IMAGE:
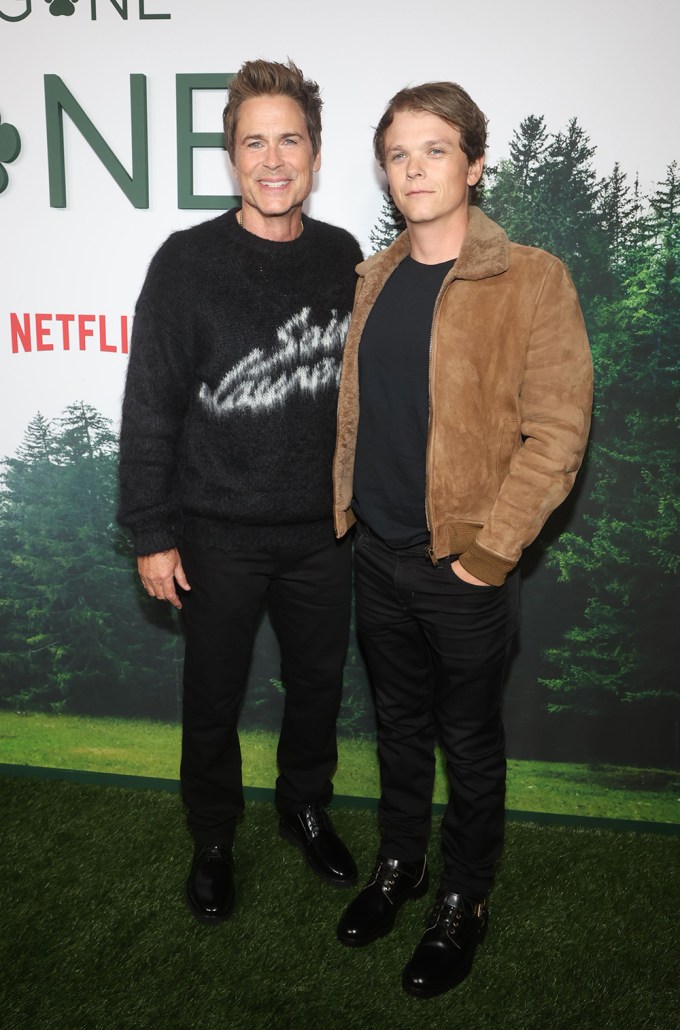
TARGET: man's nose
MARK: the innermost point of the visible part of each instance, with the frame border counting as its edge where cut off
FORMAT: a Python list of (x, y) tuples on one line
[(273, 157), (414, 168)]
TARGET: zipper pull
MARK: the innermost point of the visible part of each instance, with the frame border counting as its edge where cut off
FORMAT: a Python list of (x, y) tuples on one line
[(429, 551)]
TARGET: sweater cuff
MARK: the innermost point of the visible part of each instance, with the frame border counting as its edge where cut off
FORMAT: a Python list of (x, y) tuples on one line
[(153, 540), (485, 565)]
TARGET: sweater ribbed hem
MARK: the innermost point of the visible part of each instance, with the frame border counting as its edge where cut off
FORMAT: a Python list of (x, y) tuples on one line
[(227, 536)]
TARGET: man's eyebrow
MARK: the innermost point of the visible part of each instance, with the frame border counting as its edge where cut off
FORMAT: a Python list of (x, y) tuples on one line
[(427, 143), (261, 135)]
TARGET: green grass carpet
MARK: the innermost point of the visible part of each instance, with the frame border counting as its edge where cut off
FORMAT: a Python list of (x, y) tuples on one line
[(140, 748), (95, 935)]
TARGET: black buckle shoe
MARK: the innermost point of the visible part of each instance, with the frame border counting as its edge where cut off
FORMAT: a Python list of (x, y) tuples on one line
[(210, 891), (372, 913), (312, 831), (444, 956)]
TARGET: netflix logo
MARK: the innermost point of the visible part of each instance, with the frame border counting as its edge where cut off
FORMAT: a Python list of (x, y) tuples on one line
[(40, 333)]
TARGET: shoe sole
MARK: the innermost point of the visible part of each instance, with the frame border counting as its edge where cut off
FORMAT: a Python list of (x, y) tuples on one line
[(333, 881), (203, 917)]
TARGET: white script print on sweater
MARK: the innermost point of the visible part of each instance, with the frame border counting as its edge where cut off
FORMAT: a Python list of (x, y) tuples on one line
[(308, 361)]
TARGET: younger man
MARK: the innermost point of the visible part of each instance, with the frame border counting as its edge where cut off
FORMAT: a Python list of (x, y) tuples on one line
[(463, 417)]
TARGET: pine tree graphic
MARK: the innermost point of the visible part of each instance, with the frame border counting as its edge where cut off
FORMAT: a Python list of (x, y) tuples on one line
[(390, 223)]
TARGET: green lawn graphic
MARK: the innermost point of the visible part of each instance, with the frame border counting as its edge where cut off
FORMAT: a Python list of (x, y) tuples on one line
[(140, 748)]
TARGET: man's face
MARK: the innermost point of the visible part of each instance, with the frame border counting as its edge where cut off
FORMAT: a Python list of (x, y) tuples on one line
[(273, 160), (427, 171)]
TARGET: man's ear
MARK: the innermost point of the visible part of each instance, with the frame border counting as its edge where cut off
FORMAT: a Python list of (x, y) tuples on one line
[(475, 169), (317, 162)]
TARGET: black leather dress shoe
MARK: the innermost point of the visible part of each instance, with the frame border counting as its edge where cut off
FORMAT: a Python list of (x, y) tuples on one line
[(312, 831), (372, 913), (444, 956), (210, 888)]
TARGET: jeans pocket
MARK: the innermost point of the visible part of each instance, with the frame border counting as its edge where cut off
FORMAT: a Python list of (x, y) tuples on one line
[(463, 582)]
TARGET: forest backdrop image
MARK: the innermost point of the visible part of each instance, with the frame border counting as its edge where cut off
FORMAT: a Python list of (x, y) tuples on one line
[(594, 678)]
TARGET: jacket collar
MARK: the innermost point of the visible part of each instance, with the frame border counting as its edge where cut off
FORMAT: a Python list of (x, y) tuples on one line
[(485, 252)]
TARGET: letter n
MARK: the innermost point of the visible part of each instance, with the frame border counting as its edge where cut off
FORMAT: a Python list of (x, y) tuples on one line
[(59, 100)]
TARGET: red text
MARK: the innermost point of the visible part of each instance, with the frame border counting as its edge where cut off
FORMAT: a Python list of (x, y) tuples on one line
[(60, 332)]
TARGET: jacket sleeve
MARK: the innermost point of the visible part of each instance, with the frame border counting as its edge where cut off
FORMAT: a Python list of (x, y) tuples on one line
[(154, 407), (555, 407)]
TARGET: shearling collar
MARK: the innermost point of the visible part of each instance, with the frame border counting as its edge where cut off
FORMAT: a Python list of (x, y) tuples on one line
[(485, 252)]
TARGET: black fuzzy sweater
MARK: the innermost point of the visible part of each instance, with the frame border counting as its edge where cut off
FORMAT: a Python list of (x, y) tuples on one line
[(228, 424)]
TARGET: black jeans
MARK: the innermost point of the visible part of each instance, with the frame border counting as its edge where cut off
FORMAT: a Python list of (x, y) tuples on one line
[(308, 598), (436, 648)]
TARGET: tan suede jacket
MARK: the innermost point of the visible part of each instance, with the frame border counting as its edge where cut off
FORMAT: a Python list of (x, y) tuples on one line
[(510, 397)]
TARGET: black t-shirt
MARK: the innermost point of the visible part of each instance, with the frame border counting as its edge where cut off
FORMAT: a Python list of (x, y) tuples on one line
[(389, 471)]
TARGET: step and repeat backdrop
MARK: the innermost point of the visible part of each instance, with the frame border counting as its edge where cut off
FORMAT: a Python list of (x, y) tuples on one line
[(110, 119)]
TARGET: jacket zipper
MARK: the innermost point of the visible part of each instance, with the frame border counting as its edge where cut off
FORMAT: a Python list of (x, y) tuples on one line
[(430, 550)]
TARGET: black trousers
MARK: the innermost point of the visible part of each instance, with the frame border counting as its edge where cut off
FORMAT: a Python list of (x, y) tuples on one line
[(436, 648), (308, 598)]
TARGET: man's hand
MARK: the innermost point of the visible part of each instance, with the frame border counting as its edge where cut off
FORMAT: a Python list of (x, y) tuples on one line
[(160, 572), (465, 576)]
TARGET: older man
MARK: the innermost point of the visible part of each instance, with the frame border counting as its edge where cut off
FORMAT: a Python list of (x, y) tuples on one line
[(463, 417), (226, 446)]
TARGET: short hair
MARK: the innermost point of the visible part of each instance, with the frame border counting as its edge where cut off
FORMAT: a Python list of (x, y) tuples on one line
[(447, 100), (270, 78)]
